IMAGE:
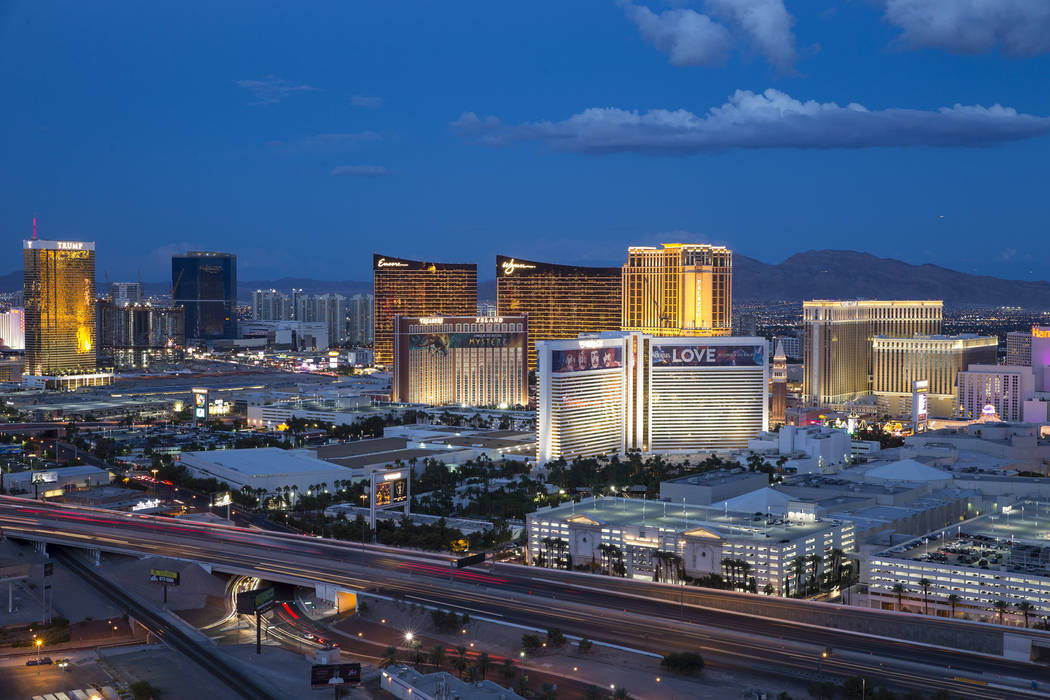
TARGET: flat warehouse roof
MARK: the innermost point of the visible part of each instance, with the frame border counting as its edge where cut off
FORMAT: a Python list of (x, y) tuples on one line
[(361, 447), (264, 461)]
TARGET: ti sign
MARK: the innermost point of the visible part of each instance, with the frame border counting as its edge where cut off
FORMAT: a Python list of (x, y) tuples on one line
[(164, 576), (324, 675), (254, 601)]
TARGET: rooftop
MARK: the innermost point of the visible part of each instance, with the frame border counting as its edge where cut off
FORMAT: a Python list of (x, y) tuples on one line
[(441, 684), (266, 461)]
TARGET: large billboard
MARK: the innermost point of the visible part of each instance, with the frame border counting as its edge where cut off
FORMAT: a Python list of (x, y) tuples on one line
[(200, 404), (586, 359), (392, 491), (256, 600), (441, 343), (920, 405), (164, 576), (702, 355), (327, 675)]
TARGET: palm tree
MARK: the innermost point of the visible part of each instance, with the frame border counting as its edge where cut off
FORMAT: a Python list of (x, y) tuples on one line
[(390, 656), (508, 669), (437, 655), (836, 565), (1025, 608), (483, 664), (898, 588), (798, 564), (1001, 606), (815, 561), (460, 661), (953, 600), (924, 584)]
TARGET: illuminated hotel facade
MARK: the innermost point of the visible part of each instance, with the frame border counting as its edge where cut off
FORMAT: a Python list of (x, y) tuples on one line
[(837, 344), (938, 359), (461, 360), (681, 289), (615, 392), (562, 301), (60, 315), (415, 288)]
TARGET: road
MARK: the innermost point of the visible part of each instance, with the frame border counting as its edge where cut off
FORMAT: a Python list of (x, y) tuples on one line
[(616, 611)]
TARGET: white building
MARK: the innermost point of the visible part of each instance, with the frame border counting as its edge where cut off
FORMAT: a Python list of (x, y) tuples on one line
[(821, 445), (294, 335), (630, 391), (13, 329), (266, 468), (641, 533), (1005, 387)]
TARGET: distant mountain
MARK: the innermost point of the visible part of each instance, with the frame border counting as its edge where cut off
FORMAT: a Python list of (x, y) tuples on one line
[(847, 274), (815, 274)]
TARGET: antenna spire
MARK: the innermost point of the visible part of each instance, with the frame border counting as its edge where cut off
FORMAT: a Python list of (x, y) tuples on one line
[(34, 228)]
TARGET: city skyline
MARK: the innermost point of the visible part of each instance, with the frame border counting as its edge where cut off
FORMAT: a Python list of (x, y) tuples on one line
[(330, 143)]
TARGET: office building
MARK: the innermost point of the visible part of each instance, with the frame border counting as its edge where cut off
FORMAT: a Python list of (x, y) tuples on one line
[(359, 319), (416, 288), (60, 315), (205, 284), (778, 388), (681, 289), (13, 329), (1003, 387), (625, 537), (461, 360), (837, 345), (271, 305), (630, 391), (134, 336), (562, 301), (124, 293), (899, 362), (1019, 348)]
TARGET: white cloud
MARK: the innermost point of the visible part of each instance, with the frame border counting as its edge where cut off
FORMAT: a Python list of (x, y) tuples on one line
[(1018, 27), (362, 170), (271, 89), (765, 23), (366, 101), (688, 37), (693, 39), (771, 119)]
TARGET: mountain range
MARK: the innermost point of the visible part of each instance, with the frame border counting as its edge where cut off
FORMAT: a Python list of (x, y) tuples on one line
[(814, 274)]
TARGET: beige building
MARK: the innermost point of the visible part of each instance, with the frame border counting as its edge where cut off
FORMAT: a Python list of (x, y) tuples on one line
[(897, 362), (681, 289), (837, 347)]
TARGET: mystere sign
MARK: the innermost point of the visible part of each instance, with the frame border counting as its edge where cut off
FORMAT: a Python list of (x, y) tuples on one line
[(708, 355)]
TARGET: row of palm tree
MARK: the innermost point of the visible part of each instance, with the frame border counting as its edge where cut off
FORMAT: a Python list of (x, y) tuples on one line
[(667, 567), (437, 657), (1000, 606), (736, 573), (612, 560), (555, 554)]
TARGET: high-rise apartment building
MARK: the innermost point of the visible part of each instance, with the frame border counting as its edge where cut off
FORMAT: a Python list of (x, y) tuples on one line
[(416, 288), (562, 301), (13, 329), (461, 360), (681, 289), (899, 362), (271, 305), (359, 312), (625, 391), (837, 345), (205, 284), (133, 336), (124, 293), (1019, 348), (60, 315), (331, 310)]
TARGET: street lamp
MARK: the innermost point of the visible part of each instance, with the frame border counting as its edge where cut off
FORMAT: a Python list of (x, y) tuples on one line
[(408, 636), (39, 643)]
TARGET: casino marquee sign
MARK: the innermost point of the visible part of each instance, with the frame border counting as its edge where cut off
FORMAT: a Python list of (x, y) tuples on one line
[(386, 263)]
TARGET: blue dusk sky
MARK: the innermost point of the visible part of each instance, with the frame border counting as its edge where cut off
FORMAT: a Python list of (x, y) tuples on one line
[(305, 136)]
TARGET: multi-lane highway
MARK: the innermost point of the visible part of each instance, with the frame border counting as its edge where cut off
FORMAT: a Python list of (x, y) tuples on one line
[(650, 617)]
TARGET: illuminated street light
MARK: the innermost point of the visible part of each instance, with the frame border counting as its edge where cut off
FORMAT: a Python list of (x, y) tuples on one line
[(408, 636)]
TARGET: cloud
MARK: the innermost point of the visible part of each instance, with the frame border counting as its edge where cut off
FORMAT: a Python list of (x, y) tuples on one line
[(327, 142), (749, 120), (694, 39), (1019, 27), (766, 24), (362, 170), (271, 89), (365, 101), (688, 37)]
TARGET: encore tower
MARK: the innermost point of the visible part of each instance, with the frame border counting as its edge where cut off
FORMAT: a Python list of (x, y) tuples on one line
[(60, 314), (681, 289), (562, 301), (416, 288)]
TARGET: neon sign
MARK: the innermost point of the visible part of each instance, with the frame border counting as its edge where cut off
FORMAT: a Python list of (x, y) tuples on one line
[(510, 266), (1038, 332), (382, 262)]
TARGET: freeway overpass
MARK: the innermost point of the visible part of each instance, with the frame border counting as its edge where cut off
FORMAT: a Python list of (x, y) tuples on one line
[(757, 631)]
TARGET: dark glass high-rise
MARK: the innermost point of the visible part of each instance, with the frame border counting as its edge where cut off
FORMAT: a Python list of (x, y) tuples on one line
[(205, 285)]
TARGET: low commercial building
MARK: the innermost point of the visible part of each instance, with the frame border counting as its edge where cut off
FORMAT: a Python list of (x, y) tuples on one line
[(55, 482), (636, 538), (709, 487), (406, 683), (267, 468), (1000, 556), (290, 335)]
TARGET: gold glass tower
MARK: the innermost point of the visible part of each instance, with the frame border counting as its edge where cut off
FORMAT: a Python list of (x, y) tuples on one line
[(59, 308), (415, 288), (562, 301), (681, 289)]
